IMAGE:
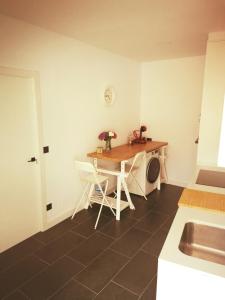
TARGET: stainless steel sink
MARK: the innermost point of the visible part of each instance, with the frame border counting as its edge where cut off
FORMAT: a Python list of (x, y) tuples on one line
[(203, 241)]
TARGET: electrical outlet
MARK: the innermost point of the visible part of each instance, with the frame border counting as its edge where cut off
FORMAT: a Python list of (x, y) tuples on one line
[(45, 149), (49, 206)]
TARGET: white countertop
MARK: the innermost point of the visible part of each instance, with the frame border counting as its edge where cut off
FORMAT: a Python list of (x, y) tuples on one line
[(212, 189), (170, 251)]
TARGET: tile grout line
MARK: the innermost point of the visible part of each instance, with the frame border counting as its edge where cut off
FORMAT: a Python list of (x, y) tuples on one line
[(124, 267), (92, 260), (140, 247), (42, 260), (108, 248), (42, 271), (77, 233), (23, 293), (76, 261), (151, 254), (67, 230), (123, 287), (28, 280), (95, 233), (84, 286), (14, 291), (70, 279), (64, 254), (19, 260), (118, 253), (96, 257), (55, 238), (147, 286), (135, 253), (128, 260), (154, 232), (62, 287), (95, 230), (159, 229), (105, 235), (120, 236), (37, 240), (111, 281), (85, 267)]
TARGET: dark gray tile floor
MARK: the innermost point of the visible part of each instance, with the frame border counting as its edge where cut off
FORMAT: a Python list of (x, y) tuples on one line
[(118, 261)]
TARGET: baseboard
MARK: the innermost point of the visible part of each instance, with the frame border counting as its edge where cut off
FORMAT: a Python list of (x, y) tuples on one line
[(54, 221), (178, 183)]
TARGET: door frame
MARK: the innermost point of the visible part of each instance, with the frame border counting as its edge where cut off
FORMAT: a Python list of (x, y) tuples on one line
[(42, 195)]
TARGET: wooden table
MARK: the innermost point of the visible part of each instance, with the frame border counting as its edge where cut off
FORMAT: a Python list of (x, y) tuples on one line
[(121, 154), (125, 152)]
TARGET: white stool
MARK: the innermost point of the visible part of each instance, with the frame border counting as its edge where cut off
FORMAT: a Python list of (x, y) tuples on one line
[(124, 175), (89, 174)]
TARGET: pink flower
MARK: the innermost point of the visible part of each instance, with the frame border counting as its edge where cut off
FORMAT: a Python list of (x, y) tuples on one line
[(102, 136), (106, 135)]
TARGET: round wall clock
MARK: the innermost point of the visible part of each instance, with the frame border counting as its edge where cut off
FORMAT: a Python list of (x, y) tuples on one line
[(109, 95)]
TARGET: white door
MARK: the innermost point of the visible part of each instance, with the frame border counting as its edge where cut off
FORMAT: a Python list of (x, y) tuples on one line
[(20, 207)]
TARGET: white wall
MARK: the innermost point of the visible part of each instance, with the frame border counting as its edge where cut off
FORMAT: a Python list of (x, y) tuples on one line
[(171, 93), (213, 101), (73, 77)]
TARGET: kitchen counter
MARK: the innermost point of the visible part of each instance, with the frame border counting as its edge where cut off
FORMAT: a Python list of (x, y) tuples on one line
[(170, 249), (202, 200), (199, 183), (186, 277)]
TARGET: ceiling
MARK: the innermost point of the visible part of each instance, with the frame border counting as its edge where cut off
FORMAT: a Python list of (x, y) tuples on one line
[(143, 30)]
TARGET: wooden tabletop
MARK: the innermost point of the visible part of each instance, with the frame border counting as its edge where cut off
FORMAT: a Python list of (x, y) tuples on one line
[(125, 152), (204, 200)]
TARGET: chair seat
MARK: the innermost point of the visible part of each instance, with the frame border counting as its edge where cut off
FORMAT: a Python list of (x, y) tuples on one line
[(117, 170), (95, 179)]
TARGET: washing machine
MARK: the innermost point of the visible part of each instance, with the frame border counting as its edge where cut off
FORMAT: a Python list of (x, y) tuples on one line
[(149, 173)]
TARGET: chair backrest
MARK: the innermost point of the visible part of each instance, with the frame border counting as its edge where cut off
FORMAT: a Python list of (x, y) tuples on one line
[(138, 159), (85, 166)]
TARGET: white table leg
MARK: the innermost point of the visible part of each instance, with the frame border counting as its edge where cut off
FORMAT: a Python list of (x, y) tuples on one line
[(118, 198), (158, 183), (89, 195), (127, 194), (96, 163), (162, 157)]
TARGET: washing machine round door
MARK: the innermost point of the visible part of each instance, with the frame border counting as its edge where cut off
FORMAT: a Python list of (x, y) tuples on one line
[(153, 170)]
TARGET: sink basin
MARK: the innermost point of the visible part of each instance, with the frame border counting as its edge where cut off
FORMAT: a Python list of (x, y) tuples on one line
[(204, 242)]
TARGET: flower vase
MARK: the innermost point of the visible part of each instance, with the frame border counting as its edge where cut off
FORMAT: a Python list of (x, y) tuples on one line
[(108, 146)]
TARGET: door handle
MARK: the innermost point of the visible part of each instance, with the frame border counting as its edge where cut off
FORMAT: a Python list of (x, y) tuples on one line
[(33, 159)]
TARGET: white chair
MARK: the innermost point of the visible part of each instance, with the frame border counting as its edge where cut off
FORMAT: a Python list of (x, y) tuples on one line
[(89, 175), (131, 169), (129, 172)]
